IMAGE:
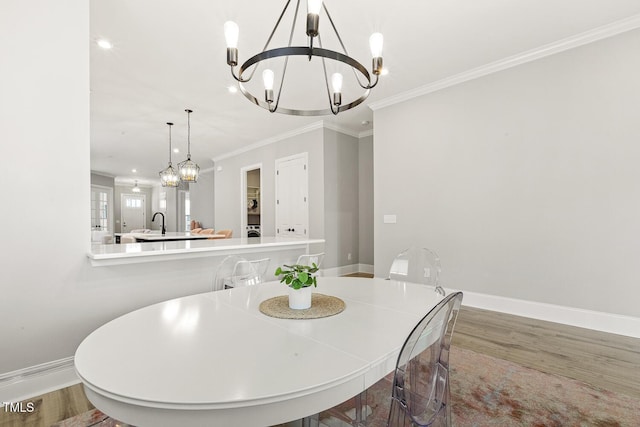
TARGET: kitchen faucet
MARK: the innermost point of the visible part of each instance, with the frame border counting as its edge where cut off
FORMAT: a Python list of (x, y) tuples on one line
[(164, 230)]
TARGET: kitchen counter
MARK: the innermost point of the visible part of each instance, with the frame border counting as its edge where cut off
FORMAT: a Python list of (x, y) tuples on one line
[(129, 253)]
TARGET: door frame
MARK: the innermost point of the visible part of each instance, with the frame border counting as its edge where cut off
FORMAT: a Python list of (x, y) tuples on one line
[(243, 196), (305, 157)]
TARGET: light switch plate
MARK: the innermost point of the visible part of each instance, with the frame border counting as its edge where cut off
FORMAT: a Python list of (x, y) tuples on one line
[(389, 219)]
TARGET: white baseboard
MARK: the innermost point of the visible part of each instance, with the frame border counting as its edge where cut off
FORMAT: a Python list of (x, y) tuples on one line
[(36, 380), (347, 269), (589, 319)]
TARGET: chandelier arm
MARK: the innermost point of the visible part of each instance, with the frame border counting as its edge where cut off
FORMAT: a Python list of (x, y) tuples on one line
[(335, 30), (278, 23), (367, 86), (240, 79), (293, 24), (371, 86), (284, 72)]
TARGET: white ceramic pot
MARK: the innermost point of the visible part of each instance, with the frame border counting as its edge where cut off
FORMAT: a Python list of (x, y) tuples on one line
[(300, 299)]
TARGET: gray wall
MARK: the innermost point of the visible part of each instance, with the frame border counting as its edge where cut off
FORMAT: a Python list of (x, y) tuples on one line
[(201, 196), (525, 181), (341, 199), (365, 200), (228, 192), (105, 181)]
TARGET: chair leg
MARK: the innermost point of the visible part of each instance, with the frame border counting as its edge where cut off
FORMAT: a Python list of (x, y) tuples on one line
[(311, 421), (361, 410)]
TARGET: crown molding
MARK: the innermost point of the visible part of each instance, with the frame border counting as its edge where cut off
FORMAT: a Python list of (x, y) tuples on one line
[(338, 128), (365, 133), (268, 141), (596, 34), (295, 132)]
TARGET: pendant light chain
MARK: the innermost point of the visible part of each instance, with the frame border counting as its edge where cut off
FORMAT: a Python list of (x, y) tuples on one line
[(169, 176), (189, 134), (170, 124)]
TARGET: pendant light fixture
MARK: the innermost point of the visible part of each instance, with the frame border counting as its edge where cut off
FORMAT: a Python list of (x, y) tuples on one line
[(363, 78), (135, 188), (169, 176), (188, 170)]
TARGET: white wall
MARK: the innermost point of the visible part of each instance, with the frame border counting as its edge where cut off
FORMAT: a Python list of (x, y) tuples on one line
[(524, 181), (44, 113), (51, 297)]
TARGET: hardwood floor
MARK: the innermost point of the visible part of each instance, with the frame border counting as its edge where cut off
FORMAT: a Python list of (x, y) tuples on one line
[(603, 360), (48, 408)]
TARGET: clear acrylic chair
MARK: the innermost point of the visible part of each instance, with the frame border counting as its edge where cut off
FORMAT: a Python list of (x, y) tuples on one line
[(420, 395), (310, 259), (417, 265), (236, 271)]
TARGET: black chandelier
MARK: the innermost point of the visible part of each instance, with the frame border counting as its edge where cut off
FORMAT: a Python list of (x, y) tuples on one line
[(271, 103)]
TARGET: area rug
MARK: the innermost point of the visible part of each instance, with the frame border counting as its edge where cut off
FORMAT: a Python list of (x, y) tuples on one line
[(486, 392)]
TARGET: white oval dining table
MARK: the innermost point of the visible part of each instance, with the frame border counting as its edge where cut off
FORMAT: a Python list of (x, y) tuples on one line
[(214, 359)]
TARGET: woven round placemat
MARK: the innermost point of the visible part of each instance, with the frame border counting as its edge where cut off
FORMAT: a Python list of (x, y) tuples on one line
[(321, 306)]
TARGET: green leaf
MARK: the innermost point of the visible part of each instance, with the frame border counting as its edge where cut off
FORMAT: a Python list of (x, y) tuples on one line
[(278, 271), (303, 277)]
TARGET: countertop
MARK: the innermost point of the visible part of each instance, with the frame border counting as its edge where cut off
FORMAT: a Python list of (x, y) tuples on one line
[(110, 254)]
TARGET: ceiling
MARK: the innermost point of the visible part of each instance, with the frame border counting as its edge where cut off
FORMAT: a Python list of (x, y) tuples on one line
[(171, 55)]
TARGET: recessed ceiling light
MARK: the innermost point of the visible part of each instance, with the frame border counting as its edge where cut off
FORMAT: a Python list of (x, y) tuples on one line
[(232, 89), (384, 71), (105, 44), (176, 150), (365, 122), (134, 170)]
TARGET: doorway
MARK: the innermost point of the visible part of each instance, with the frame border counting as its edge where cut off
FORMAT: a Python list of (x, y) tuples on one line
[(251, 200), (132, 212)]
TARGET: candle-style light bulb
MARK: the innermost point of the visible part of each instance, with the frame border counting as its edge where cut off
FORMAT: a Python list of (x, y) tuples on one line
[(314, 6), (375, 43), (313, 17), (336, 82), (231, 32), (267, 79)]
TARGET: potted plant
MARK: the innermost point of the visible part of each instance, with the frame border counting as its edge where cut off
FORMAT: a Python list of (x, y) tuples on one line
[(299, 278)]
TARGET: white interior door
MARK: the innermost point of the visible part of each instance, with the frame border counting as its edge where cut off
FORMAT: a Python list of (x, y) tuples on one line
[(132, 212), (292, 205)]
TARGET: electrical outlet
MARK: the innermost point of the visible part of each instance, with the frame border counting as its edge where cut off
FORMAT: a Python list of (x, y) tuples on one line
[(348, 257)]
